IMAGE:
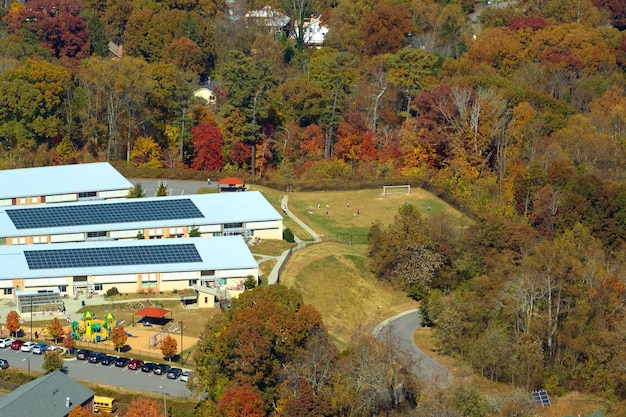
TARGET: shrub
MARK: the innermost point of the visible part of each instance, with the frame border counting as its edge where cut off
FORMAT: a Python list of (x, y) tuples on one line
[(288, 236), (112, 291)]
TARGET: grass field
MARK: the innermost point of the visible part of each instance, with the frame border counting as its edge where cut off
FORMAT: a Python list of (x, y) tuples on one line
[(334, 278)]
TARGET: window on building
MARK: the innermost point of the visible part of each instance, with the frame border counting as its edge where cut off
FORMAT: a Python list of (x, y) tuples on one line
[(97, 234), (97, 287), (8, 291), (87, 194), (63, 288), (193, 282), (233, 225), (206, 300)]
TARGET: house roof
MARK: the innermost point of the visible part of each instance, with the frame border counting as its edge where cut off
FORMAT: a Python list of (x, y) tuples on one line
[(269, 17), (136, 214), (45, 396), (231, 181), (152, 312), (315, 33), (61, 179), (125, 257)]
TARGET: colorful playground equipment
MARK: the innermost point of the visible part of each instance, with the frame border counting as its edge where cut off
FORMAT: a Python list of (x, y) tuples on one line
[(91, 329)]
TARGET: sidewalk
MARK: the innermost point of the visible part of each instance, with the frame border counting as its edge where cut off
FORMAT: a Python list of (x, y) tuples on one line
[(280, 260)]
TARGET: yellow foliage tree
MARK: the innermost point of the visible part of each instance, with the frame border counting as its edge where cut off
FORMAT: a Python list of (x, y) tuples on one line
[(146, 153), (169, 347), (119, 337), (55, 329)]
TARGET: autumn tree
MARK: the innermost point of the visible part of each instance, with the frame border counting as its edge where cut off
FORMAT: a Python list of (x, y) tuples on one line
[(55, 329), (144, 407), (69, 342), (52, 361), (405, 254), (169, 347), (207, 142), (13, 322), (79, 411), (249, 346), (58, 25), (386, 28), (241, 401), (136, 192), (119, 337), (146, 153)]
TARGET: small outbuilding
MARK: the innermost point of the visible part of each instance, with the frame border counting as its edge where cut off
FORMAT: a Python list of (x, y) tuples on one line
[(231, 184)]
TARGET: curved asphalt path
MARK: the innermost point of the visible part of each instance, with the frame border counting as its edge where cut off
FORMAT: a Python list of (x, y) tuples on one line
[(401, 328)]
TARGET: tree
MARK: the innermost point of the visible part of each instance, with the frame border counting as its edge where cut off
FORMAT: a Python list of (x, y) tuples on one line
[(58, 25), (55, 329), (169, 347), (146, 153), (241, 401), (144, 407), (13, 322), (207, 142), (386, 28), (52, 361), (405, 254), (194, 231), (408, 69), (137, 191), (69, 342), (119, 337)]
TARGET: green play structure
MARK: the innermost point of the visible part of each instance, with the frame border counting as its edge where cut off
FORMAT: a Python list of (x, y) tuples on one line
[(91, 329)]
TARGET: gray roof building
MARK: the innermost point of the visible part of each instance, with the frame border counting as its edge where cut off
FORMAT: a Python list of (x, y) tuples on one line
[(61, 183), (52, 395)]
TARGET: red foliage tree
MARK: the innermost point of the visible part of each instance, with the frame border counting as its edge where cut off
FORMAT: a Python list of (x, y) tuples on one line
[(368, 150), (386, 28), (207, 140), (240, 153), (57, 25), (241, 401)]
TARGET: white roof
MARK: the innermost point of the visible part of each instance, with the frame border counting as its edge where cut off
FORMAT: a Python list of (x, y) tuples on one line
[(270, 16), (61, 179), (215, 208), (223, 253), (314, 34)]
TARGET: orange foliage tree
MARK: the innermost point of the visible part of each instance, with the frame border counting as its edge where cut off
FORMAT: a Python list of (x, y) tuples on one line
[(68, 341), (143, 407), (119, 337), (169, 347), (241, 401), (54, 329), (13, 322), (79, 411)]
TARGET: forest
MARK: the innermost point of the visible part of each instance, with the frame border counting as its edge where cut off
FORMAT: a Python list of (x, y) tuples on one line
[(511, 111)]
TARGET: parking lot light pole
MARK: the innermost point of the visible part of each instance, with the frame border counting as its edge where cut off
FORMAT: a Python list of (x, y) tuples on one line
[(31, 322), (28, 366)]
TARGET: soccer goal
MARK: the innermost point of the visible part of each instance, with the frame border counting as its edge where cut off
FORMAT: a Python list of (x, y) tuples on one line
[(396, 189)]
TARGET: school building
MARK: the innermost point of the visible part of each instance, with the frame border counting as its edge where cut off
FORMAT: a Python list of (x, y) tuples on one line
[(62, 183), (219, 214), (131, 266)]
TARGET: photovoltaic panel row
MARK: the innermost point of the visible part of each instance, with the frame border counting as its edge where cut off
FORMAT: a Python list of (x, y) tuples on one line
[(107, 213), (115, 256)]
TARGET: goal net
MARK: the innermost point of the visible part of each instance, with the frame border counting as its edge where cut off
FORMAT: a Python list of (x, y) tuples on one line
[(396, 189)]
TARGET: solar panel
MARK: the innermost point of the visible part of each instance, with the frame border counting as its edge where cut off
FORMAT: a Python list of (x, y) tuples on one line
[(541, 397), (106, 213), (111, 256)]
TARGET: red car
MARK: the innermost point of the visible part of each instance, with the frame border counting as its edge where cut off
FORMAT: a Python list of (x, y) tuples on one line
[(17, 344), (135, 364)]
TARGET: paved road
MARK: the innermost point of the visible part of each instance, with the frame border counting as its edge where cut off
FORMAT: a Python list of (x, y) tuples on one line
[(401, 328), (107, 375), (174, 187)]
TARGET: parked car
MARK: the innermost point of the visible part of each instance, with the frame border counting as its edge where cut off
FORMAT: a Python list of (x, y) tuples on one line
[(135, 364), (83, 354), (108, 360), (17, 344), (5, 342), (121, 362), (184, 377), (39, 348), (95, 357), (162, 369), (27, 346), (174, 373), (4, 364), (148, 367), (59, 349)]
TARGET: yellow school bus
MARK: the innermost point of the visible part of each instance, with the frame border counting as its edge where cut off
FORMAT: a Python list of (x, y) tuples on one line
[(104, 404)]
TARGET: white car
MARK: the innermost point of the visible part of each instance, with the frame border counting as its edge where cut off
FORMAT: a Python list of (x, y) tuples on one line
[(27, 346), (60, 349), (185, 376), (5, 342)]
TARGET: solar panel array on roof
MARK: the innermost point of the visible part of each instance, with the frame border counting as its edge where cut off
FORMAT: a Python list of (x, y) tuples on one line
[(111, 256), (127, 212), (541, 397)]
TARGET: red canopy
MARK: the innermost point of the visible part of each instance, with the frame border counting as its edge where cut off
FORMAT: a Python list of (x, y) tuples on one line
[(231, 181), (152, 312)]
